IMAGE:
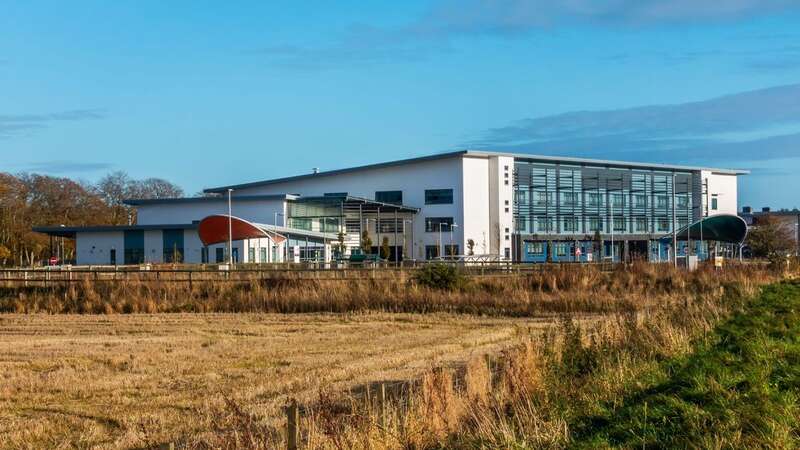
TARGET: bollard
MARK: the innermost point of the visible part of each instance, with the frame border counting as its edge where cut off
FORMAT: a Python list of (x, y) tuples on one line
[(292, 419)]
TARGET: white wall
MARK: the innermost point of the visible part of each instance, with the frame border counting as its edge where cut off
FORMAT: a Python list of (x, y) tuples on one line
[(412, 178), (723, 187), (258, 211), (476, 221), (95, 247), (501, 204)]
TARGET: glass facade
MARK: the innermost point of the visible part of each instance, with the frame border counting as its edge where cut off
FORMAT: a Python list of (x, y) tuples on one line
[(560, 199)]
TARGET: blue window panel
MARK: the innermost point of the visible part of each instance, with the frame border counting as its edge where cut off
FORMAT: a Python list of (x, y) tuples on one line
[(134, 246), (173, 246), (438, 196)]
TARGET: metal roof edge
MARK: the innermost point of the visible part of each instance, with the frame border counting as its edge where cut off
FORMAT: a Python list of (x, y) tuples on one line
[(606, 162), (337, 171), (239, 198)]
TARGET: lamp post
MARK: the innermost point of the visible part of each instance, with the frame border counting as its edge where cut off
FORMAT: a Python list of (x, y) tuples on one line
[(452, 225), (410, 222), (230, 232)]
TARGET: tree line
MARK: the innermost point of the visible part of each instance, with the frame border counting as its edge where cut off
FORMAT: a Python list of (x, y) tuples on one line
[(28, 200)]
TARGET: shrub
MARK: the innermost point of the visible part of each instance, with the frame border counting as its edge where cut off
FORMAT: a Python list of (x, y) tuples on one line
[(440, 276)]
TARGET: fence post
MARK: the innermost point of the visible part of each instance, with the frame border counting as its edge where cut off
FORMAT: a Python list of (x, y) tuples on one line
[(292, 418), (382, 400)]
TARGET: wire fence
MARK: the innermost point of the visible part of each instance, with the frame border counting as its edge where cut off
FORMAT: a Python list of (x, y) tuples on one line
[(45, 276)]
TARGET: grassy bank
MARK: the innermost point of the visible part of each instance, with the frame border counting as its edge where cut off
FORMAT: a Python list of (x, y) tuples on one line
[(739, 389)]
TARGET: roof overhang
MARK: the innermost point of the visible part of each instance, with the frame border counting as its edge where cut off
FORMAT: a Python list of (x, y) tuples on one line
[(214, 230), (721, 227)]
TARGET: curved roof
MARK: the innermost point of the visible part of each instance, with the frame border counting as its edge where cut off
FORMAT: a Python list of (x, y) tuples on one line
[(721, 227), (214, 230)]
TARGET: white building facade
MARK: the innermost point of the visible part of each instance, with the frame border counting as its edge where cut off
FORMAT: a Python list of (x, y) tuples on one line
[(508, 206)]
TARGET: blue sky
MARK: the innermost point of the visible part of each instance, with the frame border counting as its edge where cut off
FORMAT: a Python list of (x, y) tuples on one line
[(208, 93)]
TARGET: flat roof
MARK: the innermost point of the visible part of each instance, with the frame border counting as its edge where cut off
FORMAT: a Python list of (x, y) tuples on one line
[(481, 153), (238, 199), (71, 230)]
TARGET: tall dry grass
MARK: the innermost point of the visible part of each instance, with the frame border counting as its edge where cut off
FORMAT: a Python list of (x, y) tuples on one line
[(568, 289), (532, 395)]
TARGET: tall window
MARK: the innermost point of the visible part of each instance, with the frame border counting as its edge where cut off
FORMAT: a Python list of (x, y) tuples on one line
[(204, 255), (595, 224), (592, 199), (431, 251), (263, 255), (639, 201), (134, 246), (662, 201), (619, 224), (251, 254), (435, 224), (714, 204), (617, 200), (438, 196), (393, 197), (451, 250), (220, 254), (173, 246), (570, 224), (641, 224)]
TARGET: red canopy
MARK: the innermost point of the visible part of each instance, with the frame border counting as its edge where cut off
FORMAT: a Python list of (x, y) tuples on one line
[(214, 230)]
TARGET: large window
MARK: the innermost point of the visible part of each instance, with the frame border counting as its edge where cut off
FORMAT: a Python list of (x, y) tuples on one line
[(438, 196), (134, 246), (592, 199), (594, 224), (521, 197), (544, 225), (451, 250), (617, 200), (534, 248), (641, 224), (619, 224), (220, 254), (663, 224), (542, 198), (431, 251), (569, 198), (173, 246), (639, 201), (682, 202), (434, 224), (570, 224), (662, 201), (390, 226), (562, 248), (393, 197)]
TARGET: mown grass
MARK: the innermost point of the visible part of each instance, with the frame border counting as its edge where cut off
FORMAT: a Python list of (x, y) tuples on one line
[(739, 389)]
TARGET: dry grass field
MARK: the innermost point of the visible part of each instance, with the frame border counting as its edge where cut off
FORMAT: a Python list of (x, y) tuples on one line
[(123, 381)]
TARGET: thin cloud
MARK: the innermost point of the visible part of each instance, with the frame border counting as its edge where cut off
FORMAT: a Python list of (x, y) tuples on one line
[(66, 166), (758, 124), (520, 16), (16, 124)]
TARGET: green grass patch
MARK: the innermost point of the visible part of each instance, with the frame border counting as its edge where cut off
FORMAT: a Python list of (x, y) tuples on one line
[(739, 388)]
